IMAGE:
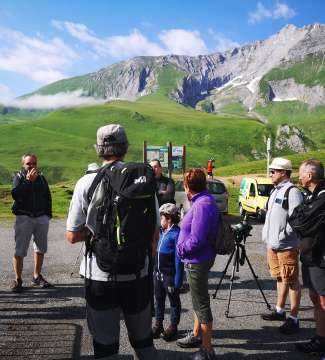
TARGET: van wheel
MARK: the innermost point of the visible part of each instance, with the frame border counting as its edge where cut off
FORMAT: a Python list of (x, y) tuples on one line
[(259, 215), (242, 212)]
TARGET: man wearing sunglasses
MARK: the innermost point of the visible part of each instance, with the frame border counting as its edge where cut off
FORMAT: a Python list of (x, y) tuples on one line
[(33, 209), (282, 245)]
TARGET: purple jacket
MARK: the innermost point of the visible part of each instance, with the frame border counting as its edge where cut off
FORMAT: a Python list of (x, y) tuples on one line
[(198, 230)]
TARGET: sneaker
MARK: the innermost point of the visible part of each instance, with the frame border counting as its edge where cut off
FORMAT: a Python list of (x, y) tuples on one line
[(289, 327), (274, 316), (170, 333), (40, 281), (17, 286), (189, 341), (203, 355), (157, 329), (315, 346)]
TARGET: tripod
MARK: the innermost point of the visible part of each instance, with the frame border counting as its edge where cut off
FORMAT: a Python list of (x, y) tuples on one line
[(239, 255)]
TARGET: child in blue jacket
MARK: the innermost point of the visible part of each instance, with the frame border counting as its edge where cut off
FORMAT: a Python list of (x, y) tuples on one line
[(168, 273)]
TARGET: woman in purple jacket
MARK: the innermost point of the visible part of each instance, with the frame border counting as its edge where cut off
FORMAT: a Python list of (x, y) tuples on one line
[(196, 250)]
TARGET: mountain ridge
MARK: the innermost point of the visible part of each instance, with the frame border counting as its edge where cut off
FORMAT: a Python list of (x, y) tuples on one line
[(242, 66)]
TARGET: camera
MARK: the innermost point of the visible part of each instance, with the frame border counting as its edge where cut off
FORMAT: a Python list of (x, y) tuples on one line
[(242, 230)]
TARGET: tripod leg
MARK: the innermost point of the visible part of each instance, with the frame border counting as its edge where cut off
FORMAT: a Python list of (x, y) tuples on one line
[(234, 267), (257, 282), (223, 274)]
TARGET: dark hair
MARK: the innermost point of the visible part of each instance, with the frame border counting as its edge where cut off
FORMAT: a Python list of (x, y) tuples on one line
[(175, 218), (316, 167), (158, 161), (288, 173), (196, 180), (107, 151)]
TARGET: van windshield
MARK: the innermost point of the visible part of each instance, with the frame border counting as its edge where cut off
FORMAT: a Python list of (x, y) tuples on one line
[(264, 189)]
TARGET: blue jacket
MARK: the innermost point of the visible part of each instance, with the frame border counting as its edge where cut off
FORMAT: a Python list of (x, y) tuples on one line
[(167, 261)]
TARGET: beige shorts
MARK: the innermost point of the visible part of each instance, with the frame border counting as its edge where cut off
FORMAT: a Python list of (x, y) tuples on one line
[(284, 265), (27, 227)]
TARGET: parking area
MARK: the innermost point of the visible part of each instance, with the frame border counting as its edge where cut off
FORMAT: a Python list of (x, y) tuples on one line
[(50, 323)]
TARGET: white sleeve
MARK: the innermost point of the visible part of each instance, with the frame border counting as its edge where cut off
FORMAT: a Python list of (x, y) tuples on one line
[(78, 207)]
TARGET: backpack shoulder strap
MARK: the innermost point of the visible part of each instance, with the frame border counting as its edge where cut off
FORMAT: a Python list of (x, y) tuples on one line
[(98, 178), (285, 201), (268, 199)]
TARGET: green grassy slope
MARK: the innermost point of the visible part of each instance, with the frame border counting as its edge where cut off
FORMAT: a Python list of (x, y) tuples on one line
[(310, 72), (259, 166), (64, 139), (311, 120)]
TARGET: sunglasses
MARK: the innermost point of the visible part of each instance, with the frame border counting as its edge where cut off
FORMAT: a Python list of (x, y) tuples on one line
[(31, 163)]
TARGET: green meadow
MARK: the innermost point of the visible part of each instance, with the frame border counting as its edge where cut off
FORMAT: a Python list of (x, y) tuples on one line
[(64, 139)]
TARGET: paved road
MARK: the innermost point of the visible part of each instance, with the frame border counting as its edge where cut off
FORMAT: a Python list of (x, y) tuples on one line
[(50, 324)]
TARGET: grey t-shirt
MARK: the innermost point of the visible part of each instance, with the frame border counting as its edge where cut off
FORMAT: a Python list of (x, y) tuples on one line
[(277, 233), (81, 213)]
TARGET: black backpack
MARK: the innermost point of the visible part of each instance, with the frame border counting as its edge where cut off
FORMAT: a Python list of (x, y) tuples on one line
[(126, 218), (225, 239)]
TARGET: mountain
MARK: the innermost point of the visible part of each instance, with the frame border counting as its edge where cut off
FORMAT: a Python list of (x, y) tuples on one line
[(272, 88), (243, 75)]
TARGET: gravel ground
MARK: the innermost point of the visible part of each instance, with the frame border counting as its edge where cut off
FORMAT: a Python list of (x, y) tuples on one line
[(50, 324)]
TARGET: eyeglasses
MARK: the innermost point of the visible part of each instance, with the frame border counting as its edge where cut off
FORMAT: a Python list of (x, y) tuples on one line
[(31, 163)]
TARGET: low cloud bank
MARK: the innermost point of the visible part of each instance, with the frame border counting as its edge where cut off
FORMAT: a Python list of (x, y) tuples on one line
[(50, 102)]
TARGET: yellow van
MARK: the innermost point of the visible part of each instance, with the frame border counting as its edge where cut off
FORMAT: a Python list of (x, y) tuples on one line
[(253, 195)]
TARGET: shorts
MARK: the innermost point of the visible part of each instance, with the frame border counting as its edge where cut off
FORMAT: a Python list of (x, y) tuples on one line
[(284, 264), (25, 228), (105, 302), (313, 278), (197, 277)]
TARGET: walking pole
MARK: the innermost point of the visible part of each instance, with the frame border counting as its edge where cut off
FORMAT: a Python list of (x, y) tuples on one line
[(77, 259)]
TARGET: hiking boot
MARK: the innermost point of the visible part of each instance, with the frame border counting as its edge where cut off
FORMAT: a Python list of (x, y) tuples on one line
[(157, 329), (189, 341), (315, 346), (41, 282), (274, 316), (203, 355), (170, 333), (17, 286), (289, 327)]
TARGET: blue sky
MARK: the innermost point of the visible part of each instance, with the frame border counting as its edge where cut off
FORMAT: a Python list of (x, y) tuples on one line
[(42, 41)]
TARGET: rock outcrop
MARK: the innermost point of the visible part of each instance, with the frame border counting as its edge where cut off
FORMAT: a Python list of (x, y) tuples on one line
[(292, 138)]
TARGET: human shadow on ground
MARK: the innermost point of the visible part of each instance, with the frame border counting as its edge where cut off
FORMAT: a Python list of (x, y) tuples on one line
[(41, 340), (61, 302), (267, 343)]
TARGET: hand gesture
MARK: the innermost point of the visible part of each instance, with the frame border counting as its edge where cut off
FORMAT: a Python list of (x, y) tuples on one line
[(31, 175)]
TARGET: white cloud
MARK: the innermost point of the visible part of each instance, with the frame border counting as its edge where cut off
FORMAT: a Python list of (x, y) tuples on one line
[(41, 60), (183, 42), (174, 41), (222, 42), (5, 93), (119, 46), (60, 100), (133, 44), (280, 10)]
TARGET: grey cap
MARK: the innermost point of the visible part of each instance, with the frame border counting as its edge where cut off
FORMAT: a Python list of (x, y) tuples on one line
[(279, 163), (111, 134), (169, 209)]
